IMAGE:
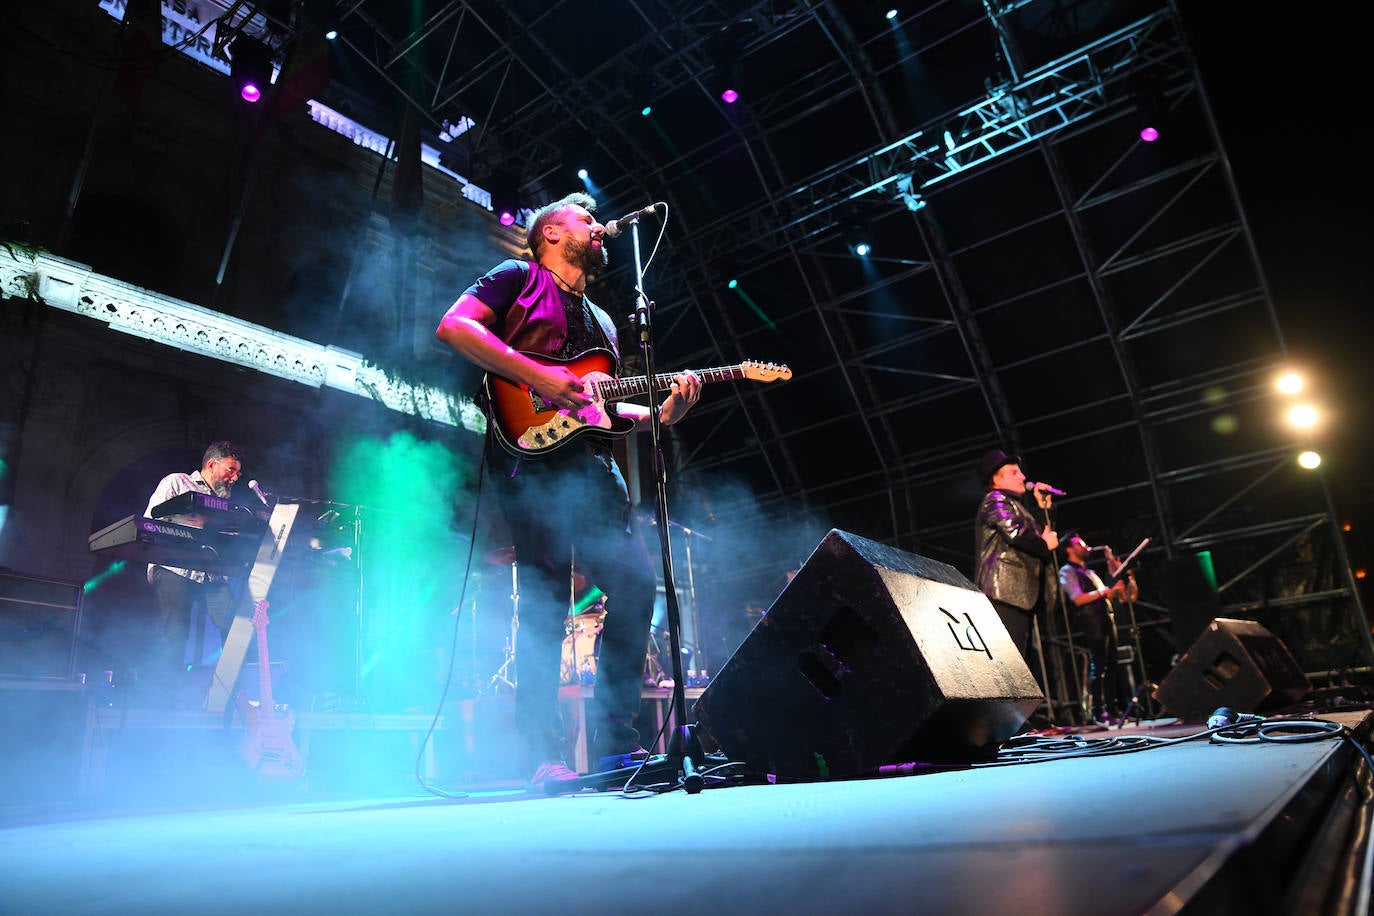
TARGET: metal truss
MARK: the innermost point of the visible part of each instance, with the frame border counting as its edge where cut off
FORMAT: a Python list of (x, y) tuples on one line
[(898, 485)]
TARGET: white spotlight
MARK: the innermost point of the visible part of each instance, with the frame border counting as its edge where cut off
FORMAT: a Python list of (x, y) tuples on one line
[(1309, 460), (1289, 383), (1303, 416)]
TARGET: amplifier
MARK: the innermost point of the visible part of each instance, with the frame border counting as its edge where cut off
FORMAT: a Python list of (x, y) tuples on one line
[(40, 620)]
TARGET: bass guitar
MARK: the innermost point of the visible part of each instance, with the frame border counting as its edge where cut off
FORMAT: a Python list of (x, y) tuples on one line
[(528, 425), (267, 746)]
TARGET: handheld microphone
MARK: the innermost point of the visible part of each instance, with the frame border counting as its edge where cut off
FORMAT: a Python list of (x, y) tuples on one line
[(253, 485), (1225, 715), (617, 226), (1053, 491)]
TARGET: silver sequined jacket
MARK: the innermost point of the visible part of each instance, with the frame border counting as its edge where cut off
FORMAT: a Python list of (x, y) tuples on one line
[(1012, 557)]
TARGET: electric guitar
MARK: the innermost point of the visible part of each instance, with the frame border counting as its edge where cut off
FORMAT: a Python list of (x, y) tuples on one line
[(267, 746), (528, 425)]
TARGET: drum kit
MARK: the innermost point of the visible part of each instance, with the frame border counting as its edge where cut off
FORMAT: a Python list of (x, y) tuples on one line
[(581, 644)]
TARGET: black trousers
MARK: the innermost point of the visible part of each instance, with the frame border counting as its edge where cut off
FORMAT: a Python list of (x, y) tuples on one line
[(178, 600), (1018, 623), (572, 509), (1101, 641)]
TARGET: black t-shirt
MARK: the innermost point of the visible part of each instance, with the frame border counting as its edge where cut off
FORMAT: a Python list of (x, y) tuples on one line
[(498, 288)]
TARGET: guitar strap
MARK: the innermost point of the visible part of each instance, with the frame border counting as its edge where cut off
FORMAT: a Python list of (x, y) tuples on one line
[(607, 327)]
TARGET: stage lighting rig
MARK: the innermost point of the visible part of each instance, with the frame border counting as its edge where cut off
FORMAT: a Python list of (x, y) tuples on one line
[(250, 67)]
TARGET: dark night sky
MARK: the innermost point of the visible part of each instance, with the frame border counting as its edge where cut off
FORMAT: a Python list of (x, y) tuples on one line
[(1289, 92)]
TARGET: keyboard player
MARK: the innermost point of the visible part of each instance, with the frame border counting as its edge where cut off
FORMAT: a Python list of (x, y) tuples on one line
[(180, 593)]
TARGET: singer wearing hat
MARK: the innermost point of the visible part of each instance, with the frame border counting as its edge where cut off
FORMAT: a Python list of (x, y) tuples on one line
[(1014, 550)]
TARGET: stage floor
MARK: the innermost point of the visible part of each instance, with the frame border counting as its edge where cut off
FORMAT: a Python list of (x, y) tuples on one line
[(1181, 824)]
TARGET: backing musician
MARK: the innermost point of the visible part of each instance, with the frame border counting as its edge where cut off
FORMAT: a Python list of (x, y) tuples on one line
[(1092, 599), (179, 592)]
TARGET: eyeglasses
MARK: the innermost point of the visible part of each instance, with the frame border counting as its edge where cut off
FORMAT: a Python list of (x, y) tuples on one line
[(235, 469)]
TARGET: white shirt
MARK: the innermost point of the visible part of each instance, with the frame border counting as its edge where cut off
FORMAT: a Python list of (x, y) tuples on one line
[(175, 485)]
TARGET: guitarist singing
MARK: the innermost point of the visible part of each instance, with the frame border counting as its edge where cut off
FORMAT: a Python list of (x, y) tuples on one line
[(526, 323)]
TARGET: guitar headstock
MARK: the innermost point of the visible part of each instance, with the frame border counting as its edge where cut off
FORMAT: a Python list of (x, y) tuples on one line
[(260, 613), (756, 371)]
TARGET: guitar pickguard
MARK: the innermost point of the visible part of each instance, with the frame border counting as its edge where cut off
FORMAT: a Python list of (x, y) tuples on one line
[(554, 426)]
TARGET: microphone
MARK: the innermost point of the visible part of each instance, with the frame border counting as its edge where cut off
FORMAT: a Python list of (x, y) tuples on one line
[(1098, 549), (1053, 491), (617, 226), (1225, 716), (253, 485)]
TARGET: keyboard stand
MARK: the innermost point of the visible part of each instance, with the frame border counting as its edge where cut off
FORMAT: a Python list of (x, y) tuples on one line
[(241, 630)]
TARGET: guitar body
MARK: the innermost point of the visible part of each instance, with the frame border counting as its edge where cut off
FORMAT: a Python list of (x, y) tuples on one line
[(526, 424), (267, 746)]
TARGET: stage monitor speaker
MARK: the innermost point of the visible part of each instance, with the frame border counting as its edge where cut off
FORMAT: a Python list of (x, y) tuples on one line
[(39, 623), (1235, 663), (870, 656)]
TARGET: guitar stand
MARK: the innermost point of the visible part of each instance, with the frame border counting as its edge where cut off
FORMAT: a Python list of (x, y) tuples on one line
[(1139, 708), (1142, 696)]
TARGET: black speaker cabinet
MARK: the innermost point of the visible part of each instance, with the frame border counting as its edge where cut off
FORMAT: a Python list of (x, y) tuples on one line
[(39, 623), (1235, 663), (46, 740), (870, 656)]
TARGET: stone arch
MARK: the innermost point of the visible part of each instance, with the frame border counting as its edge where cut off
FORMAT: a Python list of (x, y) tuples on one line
[(102, 465)]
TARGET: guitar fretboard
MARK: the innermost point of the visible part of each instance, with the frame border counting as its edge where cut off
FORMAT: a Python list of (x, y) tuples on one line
[(628, 387)]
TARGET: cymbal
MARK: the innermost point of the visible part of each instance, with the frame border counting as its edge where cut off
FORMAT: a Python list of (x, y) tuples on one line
[(500, 556)]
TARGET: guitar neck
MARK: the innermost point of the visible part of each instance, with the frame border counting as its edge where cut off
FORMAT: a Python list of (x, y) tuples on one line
[(264, 677), (633, 385)]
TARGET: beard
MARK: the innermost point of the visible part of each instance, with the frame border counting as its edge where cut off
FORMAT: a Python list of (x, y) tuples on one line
[(222, 488), (580, 254)]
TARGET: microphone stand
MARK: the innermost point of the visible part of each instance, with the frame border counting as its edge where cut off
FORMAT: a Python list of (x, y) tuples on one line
[(1139, 705), (1040, 647), (684, 745)]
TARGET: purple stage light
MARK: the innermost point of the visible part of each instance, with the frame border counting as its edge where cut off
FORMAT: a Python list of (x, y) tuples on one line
[(507, 218), (1149, 134), (250, 92), (729, 96)]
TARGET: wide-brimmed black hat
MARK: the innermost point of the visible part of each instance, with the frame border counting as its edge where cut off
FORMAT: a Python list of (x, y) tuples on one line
[(991, 461)]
